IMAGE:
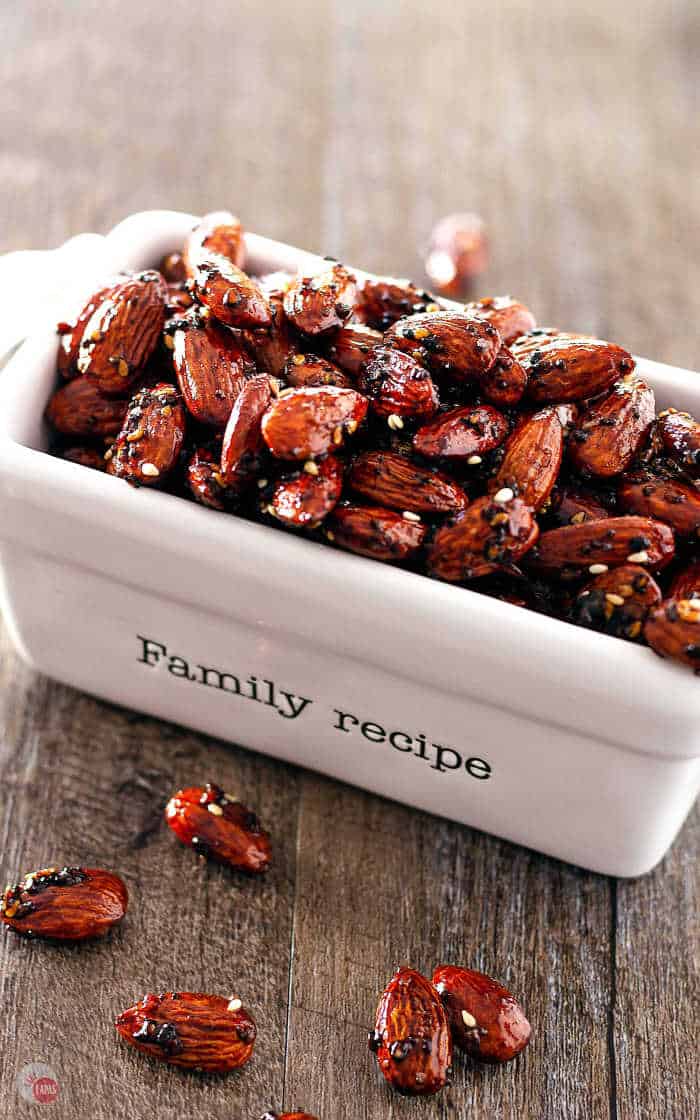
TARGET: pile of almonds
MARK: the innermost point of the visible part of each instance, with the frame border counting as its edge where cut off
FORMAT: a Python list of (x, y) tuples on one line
[(526, 463)]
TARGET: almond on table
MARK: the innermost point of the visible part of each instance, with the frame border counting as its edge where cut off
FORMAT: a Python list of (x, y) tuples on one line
[(411, 1037), (65, 903), (192, 1030), (219, 826), (485, 1019)]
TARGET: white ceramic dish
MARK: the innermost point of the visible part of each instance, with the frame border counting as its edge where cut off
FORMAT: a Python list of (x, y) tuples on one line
[(579, 745)]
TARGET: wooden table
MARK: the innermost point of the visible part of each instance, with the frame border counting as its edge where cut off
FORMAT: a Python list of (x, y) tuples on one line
[(350, 128)]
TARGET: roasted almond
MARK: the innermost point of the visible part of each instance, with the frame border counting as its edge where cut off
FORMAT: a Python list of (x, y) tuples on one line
[(231, 296), (211, 366), (505, 382), (148, 445), (462, 433), (383, 300), (311, 369), (532, 459), (274, 345), (571, 368), (205, 480), (307, 423), (491, 533), (71, 334), (686, 583), (65, 903), (673, 630), (85, 456), (680, 435), (79, 409), (595, 546), (510, 317), (243, 442), (172, 268), (397, 384), (351, 346), (394, 481), (191, 1030), (219, 826), (612, 431), (617, 602), (305, 498), (570, 507), (322, 302), (122, 332), (450, 342), (485, 1019), (411, 1037), (373, 531), (219, 233), (668, 499)]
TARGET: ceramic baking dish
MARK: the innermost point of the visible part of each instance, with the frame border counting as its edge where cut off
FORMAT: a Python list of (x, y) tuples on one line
[(565, 740)]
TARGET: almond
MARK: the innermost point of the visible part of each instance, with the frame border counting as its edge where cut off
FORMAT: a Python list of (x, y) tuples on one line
[(211, 366), (231, 296), (218, 826), (219, 233), (148, 446), (505, 382), (205, 480), (411, 1037), (397, 384), (486, 1020), (306, 423), (511, 318), (320, 303), (491, 533), (373, 531), (569, 506), (70, 336), (351, 346), (450, 341), (383, 300), (612, 431), (191, 1030), (572, 368), (650, 494), (243, 442), (686, 583), (680, 435), (172, 268), (122, 332), (305, 498), (79, 409), (310, 369), (394, 481), (85, 456), (462, 433), (65, 904), (617, 602), (274, 345), (673, 630), (532, 459), (595, 546)]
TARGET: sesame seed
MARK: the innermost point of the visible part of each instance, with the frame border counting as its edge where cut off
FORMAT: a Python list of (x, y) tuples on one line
[(218, 479), (597, 569), (262, 483), (468, 1020), (215, 809), (474, 460), (169, 341), (235, 1004), (337, 436), (395, 422), (505, 494), (299, 359), (135, 435), (108, 454), (330, 536), (150, 470), (123, 368), (639, 557), (310, 467), (408, 515), (615, 600), (351, 427), (166, 410), (578, 518)]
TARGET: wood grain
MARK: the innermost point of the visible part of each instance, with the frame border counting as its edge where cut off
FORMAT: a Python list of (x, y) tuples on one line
[(351, 128)]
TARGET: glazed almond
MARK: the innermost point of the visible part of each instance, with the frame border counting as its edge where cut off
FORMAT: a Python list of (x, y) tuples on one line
[(680, 435), (617, 602), (449, 341), (231, 296), (397, 384), (211, 367), (595, 546), (219, 233), (218, 826), (320, 303), (306, 423), (571, 368), (686, 583), (122, 332), (65, 904), (79, 409), (462, 433), (411, 1037), (273, 346), (373, 531), (394, 481), (673, 630), (669, 499), (485, 1019), (191, 1030), (70, 335), (491, 533), (511, 318), (310, 369), (569, 506), (504, 383), (205, 480), (351, 346), (611, 432), (532, 459), (243, 440), (148, 446), (305, 498), (384, 300)]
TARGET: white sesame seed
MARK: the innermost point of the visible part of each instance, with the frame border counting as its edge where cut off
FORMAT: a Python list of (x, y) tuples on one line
[(262, 483), (503, 495), (639, 557), (150, 470), (408, 515), (395, 422), (215, 810), (616, 600), (597, 569), (474, 460), (468, 1020), (235, 1004), (578, 518), (310, 467), (330, 536)]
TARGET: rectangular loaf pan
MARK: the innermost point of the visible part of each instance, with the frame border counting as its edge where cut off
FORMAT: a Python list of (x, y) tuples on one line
[(565, 740)]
